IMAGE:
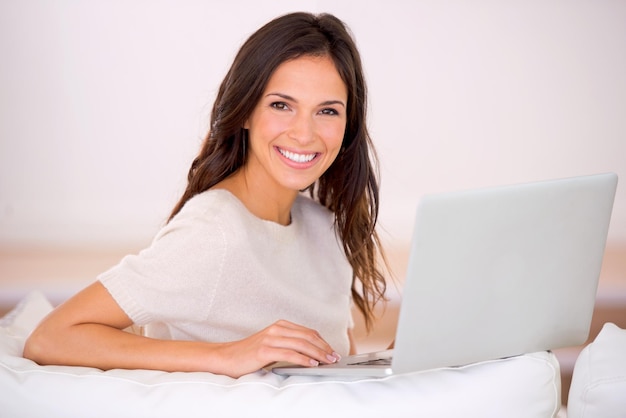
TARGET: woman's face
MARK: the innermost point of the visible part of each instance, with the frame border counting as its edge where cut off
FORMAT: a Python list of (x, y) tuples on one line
[(297, 127)]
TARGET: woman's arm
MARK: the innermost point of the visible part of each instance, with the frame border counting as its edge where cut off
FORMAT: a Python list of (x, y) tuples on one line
[(87, 330)]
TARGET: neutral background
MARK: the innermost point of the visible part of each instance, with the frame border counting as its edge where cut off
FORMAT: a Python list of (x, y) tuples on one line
[(103, 104)]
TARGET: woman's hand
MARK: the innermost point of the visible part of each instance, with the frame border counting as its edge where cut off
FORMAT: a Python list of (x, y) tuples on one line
[(281, 341)]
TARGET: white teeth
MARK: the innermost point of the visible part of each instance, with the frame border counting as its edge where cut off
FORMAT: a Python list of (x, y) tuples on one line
[(298, 158)]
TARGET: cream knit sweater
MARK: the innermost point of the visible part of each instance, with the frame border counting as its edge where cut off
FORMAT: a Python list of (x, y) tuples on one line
[(217, 273)]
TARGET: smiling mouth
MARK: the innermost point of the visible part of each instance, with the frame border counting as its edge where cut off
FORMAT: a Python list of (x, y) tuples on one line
[(297, 158)]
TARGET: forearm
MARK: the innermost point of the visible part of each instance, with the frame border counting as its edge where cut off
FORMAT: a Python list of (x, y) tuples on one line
[(105, 347)]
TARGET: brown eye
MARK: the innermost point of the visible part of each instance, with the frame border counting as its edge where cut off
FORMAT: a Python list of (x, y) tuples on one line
[(279, 105), (329, 111)]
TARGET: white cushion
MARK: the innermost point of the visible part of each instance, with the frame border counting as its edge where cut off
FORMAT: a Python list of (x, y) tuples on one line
[(526, 386), (598, 388)]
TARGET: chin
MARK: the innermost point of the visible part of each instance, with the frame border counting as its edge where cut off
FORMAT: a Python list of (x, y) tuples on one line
[(298, 186)]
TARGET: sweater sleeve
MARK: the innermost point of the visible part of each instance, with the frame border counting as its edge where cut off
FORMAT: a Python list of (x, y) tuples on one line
[(177, 276)]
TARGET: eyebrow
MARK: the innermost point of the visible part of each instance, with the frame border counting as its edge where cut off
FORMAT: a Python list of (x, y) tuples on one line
[(324, 103)]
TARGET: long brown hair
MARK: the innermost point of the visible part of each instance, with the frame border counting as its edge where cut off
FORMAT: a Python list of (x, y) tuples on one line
[(349, 187)]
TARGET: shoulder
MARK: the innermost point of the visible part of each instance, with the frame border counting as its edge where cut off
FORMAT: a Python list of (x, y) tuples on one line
[(310, 210), (185, 259), (306, 204), (209, 206), (208, 202), (315, 221), (202, 216)]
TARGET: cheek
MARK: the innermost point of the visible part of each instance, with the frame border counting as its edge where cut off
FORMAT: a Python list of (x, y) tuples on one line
[(265, 127), (273, 126), (333, 136)]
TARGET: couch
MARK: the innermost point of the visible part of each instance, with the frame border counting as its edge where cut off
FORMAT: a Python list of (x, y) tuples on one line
[(525, 386)]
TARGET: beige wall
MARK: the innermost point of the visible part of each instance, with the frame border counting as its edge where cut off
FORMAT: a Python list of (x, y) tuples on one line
[(103, 104)]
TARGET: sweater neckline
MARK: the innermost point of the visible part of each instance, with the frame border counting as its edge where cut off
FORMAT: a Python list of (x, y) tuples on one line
[(255, 219)]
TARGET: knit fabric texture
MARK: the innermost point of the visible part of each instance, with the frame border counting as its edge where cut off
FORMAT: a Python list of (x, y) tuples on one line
[(218, 273)]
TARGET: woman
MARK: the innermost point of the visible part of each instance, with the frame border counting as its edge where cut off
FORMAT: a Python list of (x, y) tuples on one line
[(248, 271)]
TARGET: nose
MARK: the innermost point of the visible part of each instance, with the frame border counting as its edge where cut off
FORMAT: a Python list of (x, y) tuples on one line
[(302, 128)]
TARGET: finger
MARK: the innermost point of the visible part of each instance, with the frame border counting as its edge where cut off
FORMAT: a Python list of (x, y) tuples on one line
[(303, 341), (286, 328), (313, 354), (288, 356)]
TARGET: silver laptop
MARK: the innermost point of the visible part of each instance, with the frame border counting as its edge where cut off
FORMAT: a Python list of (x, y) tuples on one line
[(494, 273)]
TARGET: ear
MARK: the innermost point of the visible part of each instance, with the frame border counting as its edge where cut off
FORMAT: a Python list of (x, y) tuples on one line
[(246, 124)]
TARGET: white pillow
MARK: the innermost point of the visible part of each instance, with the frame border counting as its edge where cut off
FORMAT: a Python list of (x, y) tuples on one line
[(526, 386), (27, 314), (598, 388)]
